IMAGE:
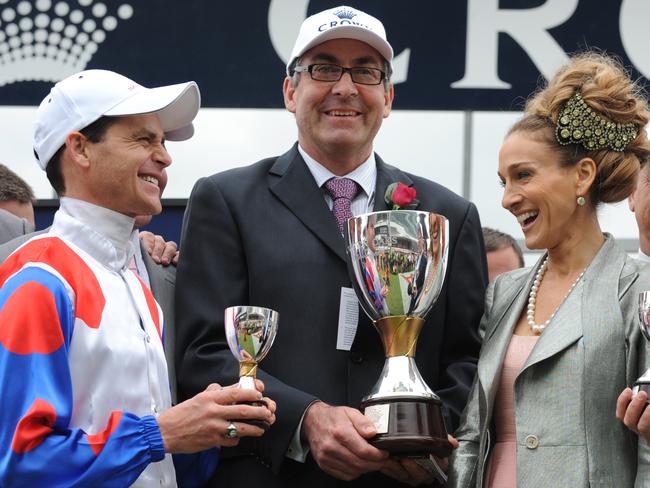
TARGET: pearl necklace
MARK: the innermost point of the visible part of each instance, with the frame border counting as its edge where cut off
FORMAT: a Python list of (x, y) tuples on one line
[(532, 298)]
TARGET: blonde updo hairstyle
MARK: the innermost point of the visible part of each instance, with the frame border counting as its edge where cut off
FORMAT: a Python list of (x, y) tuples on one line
[(608, 90)]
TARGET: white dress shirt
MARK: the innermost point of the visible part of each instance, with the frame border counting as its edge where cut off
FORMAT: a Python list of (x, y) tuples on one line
[(365, 175)]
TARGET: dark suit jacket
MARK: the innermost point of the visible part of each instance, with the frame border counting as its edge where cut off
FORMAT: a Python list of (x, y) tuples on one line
[(263, 235), (162, 280)]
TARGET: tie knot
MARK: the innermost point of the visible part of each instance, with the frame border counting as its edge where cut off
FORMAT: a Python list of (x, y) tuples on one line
[(342, 188)]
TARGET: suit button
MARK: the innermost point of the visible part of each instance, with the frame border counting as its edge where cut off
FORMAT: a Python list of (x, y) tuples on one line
[(531, 441), (356, 358)]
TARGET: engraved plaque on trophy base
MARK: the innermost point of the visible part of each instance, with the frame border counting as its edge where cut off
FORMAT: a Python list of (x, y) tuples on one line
[(408, 427)]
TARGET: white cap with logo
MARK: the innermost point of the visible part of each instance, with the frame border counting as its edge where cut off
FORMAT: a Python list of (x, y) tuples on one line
[(341, 23), (79, 100)]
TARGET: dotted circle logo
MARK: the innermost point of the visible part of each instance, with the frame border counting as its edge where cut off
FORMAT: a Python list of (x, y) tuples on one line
[(45, 40)]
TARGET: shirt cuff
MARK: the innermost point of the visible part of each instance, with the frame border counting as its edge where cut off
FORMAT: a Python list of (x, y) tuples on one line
[(153, 437), (298, 449)]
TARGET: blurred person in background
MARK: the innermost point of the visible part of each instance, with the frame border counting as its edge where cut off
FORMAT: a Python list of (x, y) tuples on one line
[(16, 205), (502, 252), (639, 203)]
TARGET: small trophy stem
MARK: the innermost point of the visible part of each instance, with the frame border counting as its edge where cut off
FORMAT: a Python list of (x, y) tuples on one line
[(643, 384), (248, 369), (247, 382), (247, 372)]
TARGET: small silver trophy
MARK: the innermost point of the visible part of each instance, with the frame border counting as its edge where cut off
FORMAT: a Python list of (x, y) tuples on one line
[(397, 262), (250, 332), (643, 383)]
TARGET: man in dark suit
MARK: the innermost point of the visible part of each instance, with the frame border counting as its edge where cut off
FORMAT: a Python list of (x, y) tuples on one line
[(264, 235)]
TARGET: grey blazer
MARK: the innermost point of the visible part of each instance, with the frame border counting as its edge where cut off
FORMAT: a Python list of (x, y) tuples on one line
[(565, 395), (12, 226), (162, 280)]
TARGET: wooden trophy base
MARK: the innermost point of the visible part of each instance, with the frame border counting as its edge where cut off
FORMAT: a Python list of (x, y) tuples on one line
[(408, 427), (257, 423)]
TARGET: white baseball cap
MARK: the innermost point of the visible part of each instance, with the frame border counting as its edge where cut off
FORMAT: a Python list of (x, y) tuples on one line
[(79, 100), (341, 23)]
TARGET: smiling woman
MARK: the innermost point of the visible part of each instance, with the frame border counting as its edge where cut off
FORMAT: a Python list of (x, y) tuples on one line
[(554, 334)]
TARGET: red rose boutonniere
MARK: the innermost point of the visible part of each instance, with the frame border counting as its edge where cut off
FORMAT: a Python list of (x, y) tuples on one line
[(401, 197)]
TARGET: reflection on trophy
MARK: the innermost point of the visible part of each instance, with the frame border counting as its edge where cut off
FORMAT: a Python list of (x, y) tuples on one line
[(250, 332), (643, 383), (397, 261)]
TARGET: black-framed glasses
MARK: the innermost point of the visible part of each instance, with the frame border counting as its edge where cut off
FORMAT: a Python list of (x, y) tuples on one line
[(334, 72)]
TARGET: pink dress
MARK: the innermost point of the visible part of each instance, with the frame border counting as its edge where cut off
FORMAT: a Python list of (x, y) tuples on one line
[(502, 466)]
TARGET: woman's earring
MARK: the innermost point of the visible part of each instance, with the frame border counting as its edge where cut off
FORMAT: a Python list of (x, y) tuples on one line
[(580, 200)]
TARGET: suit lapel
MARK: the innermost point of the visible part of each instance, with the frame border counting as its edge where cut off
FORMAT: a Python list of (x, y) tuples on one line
[(562, 331), (506, 315), (600, 303), (584, 305), (296, 188), (515, 294), (387, 175)]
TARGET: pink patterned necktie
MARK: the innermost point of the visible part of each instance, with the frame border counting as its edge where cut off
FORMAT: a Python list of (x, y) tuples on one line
[(342, 191)]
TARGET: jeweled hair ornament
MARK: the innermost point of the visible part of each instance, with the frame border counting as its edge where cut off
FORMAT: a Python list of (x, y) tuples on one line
[(578, 123)]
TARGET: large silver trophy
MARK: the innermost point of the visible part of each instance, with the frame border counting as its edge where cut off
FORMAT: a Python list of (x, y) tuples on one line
[(643, 383), (397, 260), (250, 332)]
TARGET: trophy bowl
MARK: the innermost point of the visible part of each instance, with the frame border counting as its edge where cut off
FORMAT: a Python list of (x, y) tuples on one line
[(397, 261), (250, 332), (643, 383)]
